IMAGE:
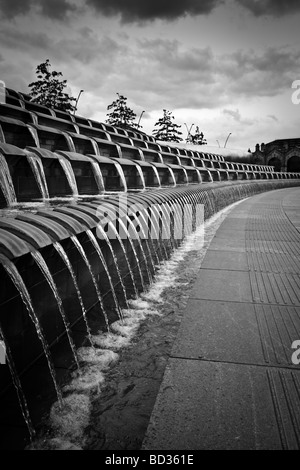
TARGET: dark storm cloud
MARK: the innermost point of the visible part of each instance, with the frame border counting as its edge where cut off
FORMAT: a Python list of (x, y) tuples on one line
[(54, 9), (11, 8), (271, 7), (147, 10), (14, 39)]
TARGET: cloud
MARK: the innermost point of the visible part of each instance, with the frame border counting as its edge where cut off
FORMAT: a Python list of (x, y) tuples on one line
[(164, 71), (266, 73), (11, 8), (275, 8), (171, 55), (153, 73), (235, 114), (53, 9), (13, 38), (149, 10)]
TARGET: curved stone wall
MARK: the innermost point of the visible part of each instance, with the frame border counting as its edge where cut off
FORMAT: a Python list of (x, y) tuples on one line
[(165, 216), (106, 206)]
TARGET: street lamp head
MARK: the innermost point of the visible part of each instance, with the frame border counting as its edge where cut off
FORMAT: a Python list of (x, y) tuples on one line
[(76, 103)]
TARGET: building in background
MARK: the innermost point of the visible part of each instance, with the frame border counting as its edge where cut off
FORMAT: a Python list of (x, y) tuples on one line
[(283, 154)]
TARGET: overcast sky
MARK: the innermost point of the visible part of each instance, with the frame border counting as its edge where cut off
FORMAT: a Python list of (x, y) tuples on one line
[(224, 65)]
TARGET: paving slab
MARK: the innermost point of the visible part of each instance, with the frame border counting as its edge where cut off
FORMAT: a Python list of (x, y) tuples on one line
[(231, 286), (209, 326), (227, 260), (226, 242), (235, 224)]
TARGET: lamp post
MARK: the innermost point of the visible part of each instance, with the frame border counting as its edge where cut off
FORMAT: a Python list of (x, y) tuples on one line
[(188, 131), (75, 109), (138, 125), (227, 139)]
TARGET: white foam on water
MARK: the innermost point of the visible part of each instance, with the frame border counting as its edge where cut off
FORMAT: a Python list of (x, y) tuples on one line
[(53, 444), (90, 376), (134, 313), (126, 327), (88, 379), (102, 357), (111, 341), (71, 419), (139, 303), (140, 314)]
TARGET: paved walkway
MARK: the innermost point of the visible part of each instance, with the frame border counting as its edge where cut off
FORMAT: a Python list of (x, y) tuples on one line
[(230, 382)]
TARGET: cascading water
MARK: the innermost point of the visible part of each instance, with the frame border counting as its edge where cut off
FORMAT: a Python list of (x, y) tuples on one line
[(103, 234), (67, 167), (17, 280), (48, 276), (101, 257), (98, 176), (112, 227), (136, 236), (85, 259), (18, 387), (140, 224), (146, 236), (35, 136), (167, 221), (39, 174), (70, 142), (66, 260), (122, 176), (152, 228), (6, 183), (133, 250), (155, 227), (122, 211), (141, 175), (210, 203)]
